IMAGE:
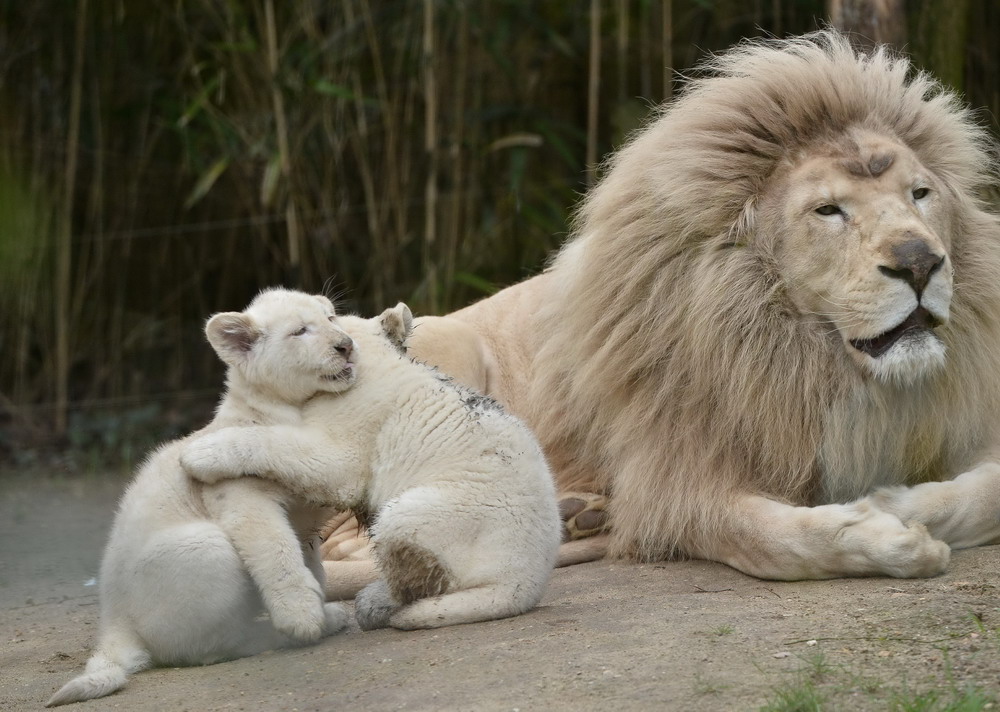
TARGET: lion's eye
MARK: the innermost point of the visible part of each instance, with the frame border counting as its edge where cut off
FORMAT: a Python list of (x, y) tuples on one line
[(921, 193), (829, 209), (332, 317), (300, 332)]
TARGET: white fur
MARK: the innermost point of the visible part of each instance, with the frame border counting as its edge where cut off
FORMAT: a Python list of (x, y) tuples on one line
[(451, 476), (177, 583)]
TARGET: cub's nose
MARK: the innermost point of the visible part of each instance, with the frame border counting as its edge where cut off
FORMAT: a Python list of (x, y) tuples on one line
[(344, 347), (914, 262)]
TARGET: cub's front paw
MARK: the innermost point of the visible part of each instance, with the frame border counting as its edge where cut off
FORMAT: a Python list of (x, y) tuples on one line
[(208, 458), (301, 615)]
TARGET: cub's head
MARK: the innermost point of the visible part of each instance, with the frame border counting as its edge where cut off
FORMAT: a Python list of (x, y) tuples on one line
[(286, 342), (384, 335), (862, 243)]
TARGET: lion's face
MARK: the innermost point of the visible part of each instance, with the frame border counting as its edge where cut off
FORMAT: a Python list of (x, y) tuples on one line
[(864, 250), (288, 343)]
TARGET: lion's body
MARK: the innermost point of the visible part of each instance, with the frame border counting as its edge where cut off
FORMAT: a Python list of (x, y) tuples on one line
[(719, 354)]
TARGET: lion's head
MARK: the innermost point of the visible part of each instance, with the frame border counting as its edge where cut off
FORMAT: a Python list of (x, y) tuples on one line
[(861, 243), (784, 284)]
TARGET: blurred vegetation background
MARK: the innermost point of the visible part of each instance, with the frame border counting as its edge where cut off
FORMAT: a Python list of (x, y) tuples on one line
[(160, 161)]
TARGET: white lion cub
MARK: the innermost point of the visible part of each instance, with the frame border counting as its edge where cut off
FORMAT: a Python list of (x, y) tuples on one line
[(179, 571), (466, 526)]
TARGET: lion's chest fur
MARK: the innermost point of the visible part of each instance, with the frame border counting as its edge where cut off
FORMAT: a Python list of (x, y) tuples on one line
[(874, 437)]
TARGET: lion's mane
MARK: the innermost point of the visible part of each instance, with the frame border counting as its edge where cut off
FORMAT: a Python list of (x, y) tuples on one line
[(680, 371)]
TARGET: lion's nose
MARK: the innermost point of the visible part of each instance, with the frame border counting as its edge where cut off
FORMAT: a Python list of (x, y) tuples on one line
[(344, 347), (914, 262)]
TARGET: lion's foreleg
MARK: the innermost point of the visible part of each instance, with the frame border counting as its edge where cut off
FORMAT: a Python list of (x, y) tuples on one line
[(963, 512), (772, 540)]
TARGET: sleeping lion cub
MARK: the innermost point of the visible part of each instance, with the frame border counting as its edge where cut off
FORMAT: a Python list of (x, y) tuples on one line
[(189, 567), (465, 520)]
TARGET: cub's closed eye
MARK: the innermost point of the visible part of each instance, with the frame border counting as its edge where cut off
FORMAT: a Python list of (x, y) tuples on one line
[(828, 209), (332, 317), (300, 332), (921, 193)]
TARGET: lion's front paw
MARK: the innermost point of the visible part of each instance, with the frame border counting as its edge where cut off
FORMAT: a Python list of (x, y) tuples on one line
[(583, 514), (374, 605), (920, 555), (897, 549)]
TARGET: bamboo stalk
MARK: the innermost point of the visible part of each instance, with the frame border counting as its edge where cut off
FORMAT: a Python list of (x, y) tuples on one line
[(593, 90), (457, 153), (64, 249), (281, 129), (623, 23), (430, 146), (668, 50)]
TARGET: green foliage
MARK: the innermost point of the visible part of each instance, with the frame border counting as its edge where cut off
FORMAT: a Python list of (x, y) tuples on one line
[(207, 168)]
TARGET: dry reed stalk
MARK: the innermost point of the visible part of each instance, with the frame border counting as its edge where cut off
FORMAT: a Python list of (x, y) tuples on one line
[(623, 29), (593, 89), (281, 129), (459, 80), (64, 250), (668, 50), (430, 146)]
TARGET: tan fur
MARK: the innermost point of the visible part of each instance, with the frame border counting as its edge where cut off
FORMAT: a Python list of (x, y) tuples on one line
[(680, 361), (460, 352)]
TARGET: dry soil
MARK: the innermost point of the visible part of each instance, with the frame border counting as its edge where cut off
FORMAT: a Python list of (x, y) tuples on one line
[(677, 636)]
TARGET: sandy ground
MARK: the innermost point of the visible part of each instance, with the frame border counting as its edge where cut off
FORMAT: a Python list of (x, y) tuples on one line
[(677, 636)]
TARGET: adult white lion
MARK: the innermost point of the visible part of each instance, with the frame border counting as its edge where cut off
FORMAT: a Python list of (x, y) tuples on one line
[(783, 296)]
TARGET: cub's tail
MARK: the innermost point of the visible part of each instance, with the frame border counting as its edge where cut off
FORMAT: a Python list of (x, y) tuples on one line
[(106, 672)]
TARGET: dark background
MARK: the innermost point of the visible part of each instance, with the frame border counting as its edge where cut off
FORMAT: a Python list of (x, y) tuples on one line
[(160, 161)]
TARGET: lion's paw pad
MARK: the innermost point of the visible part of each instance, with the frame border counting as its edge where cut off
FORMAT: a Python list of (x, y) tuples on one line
[(583, 514)]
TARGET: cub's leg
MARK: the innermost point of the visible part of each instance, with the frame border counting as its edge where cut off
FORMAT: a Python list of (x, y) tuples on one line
[(190, 599), (252, 514), (303, 460), (963, 512), (445, 560), (771, 540)]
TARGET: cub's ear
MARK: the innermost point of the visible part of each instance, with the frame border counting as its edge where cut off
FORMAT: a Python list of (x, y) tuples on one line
[(232, 335), (397, 324)]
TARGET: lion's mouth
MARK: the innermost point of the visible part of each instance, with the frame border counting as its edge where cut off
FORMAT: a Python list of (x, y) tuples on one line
[(919, 320), (344, 374)]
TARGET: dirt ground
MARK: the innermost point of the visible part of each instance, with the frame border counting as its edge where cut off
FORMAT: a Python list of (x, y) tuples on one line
[(679, 636)]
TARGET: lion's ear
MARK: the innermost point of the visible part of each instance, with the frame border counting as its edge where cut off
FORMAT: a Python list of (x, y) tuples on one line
[(397, 324), (232, 335)]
